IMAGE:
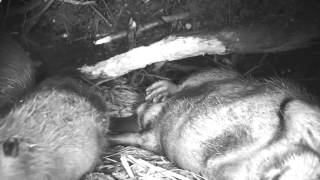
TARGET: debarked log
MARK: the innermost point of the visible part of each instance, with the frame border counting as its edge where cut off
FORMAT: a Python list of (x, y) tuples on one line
[(254, 39)]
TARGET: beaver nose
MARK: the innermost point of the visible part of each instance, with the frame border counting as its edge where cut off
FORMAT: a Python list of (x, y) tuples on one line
[(11, 147)]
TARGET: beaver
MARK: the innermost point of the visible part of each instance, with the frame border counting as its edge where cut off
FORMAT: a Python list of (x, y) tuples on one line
[(17, 73), (227, 127), (56, 133)]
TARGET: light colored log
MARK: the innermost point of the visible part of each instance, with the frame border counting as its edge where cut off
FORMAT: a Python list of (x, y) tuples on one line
[(168, 49)]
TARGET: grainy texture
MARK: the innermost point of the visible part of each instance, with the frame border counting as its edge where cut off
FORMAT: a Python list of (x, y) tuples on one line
[(17, 73), (256, 39), (57, 133), (228, 127)]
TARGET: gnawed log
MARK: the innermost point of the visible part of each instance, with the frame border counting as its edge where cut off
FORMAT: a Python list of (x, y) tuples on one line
[(171, 48), (257, 39)]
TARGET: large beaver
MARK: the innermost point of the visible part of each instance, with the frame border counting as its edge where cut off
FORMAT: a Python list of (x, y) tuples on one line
[(17, 73), (227, 127), (56, 133)]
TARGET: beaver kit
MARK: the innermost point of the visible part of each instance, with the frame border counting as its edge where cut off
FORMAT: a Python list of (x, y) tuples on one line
[(57, 133), (224, 126)]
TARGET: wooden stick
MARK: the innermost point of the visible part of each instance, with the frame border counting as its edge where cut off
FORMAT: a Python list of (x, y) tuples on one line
[(75, 2), (32, 21), (171, 48), (100, 15), (126, 166), (257, 39), (44, 9), (123, 34)]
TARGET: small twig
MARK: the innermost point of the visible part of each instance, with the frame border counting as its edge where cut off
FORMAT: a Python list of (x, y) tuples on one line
[(34, 19), (119, 152), (109, 13), (154, 75), (157, 169), (194, 175), (126, 166), (256, 66), (44, 9), (109, 159), (132, 33), (101, 16), (74, 2), (163, 20)]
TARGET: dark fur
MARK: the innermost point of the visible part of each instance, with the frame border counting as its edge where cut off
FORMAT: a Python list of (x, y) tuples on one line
[(17, 73)]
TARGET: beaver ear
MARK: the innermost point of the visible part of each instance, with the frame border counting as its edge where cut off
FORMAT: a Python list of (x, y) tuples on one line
[(11, 147)]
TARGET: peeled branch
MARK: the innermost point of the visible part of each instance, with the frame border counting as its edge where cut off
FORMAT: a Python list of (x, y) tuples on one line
[(257, 39), (169, 49)]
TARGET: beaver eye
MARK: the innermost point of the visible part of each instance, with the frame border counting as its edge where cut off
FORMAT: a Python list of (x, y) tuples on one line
[(11, 147)]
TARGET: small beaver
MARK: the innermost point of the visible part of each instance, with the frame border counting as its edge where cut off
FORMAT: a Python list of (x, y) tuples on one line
[(226, 127), (56, 133), (17, 73)]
